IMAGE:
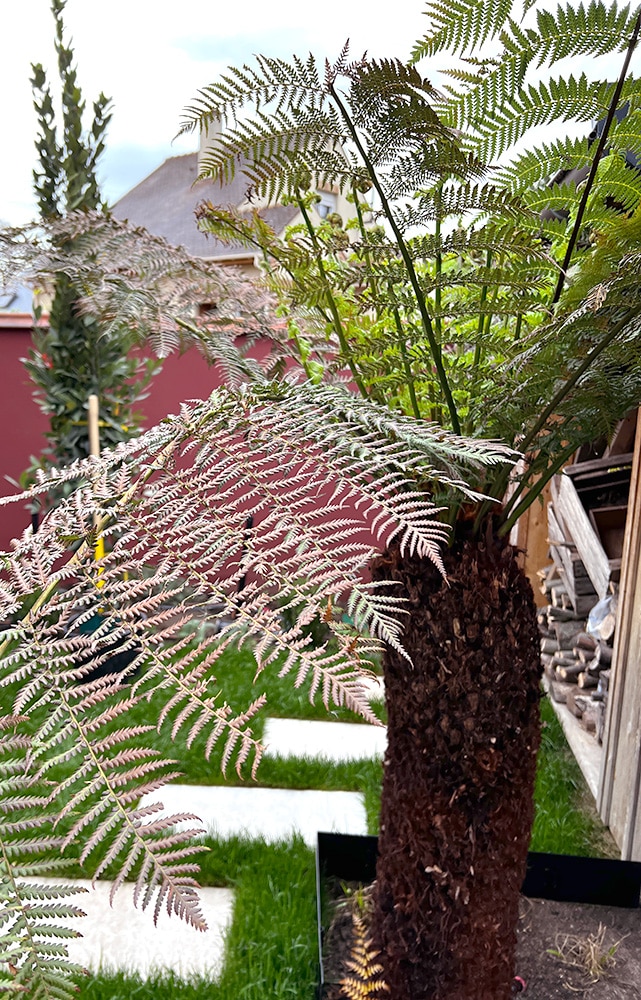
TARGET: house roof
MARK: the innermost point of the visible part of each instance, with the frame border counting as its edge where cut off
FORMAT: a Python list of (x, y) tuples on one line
[(16, 299), (165, 202)]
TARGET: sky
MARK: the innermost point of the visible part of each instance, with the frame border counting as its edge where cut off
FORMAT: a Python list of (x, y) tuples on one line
[(152, 56)]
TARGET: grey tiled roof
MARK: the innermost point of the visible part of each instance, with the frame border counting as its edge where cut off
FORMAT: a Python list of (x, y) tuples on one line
[(165, 202)]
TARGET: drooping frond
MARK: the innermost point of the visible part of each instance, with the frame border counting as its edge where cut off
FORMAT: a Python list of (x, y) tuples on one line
[(275, 487), (127, 277), (33, 953)]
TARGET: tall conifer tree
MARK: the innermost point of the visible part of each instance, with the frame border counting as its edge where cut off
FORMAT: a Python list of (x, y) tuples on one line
[(71, 359)]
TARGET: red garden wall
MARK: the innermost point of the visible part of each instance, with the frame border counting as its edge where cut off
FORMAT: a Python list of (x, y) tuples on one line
[(22, 426)]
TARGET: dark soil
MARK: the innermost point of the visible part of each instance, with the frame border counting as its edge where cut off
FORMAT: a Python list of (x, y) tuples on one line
[(544, 926)]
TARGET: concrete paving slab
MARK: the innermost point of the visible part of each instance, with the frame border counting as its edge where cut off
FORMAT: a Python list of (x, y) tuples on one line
[(122, 937), (271, 813), (334, 741)]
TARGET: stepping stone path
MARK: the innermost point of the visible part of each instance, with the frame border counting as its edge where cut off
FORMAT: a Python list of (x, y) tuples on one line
[(122, 936), (271, 813), (335, 741), (119, 936)]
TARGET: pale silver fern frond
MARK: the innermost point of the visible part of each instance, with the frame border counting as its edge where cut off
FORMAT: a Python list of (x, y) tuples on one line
[(271, 497), (33, 953), (100, 774), (126, 276)]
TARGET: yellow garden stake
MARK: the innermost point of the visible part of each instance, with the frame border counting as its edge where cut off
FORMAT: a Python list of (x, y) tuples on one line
[(94, 449)]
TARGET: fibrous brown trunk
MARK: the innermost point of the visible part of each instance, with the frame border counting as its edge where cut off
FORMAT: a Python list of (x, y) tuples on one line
[(457, 807)]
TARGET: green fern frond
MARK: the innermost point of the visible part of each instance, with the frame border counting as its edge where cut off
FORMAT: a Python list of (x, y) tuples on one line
[(539, 166), (271, 83), (272, 152), (560, 99), (575, 30), (461, 25)]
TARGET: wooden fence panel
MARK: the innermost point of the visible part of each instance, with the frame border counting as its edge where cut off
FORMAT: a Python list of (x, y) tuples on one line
[(619, 799)]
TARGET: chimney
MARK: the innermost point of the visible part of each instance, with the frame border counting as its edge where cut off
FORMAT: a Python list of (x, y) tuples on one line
[(208, 136)]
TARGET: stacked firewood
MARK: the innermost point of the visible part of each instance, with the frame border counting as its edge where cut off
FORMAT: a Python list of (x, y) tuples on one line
[(577, 663)]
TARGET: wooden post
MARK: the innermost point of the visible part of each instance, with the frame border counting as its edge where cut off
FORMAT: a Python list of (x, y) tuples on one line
[(93, 418)]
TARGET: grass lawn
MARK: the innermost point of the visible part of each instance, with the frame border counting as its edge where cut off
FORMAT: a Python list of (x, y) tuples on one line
[(566, 821), (271, 947)]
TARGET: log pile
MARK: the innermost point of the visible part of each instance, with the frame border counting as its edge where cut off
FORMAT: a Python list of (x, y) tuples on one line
[(586, 525), (577, 662)]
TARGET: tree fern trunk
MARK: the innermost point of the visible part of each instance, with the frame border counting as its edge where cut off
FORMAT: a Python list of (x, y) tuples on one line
[(457, 806)]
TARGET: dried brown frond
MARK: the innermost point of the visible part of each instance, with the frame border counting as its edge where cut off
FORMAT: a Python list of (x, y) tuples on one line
[(590, 954), (366, 981)]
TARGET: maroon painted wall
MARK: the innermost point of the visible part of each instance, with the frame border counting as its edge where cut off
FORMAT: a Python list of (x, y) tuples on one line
[(22, 426)]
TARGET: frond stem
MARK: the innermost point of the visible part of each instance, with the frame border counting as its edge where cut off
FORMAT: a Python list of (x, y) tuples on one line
[(409, 263), (587, 190), (438, 262), (480, 330), (331, 302), (406, 361), (371, 279), (534, 491)]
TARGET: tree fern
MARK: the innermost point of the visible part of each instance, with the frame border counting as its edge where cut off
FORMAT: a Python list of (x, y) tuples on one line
[(173, 508), (401, 348)]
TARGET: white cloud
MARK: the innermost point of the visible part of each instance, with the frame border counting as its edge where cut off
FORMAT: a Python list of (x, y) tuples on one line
[(152, 56)]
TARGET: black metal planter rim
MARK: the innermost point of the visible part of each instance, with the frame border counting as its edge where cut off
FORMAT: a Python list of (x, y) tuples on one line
[(562, 877)]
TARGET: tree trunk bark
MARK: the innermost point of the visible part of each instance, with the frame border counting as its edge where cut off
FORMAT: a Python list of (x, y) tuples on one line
[(457, 805)]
